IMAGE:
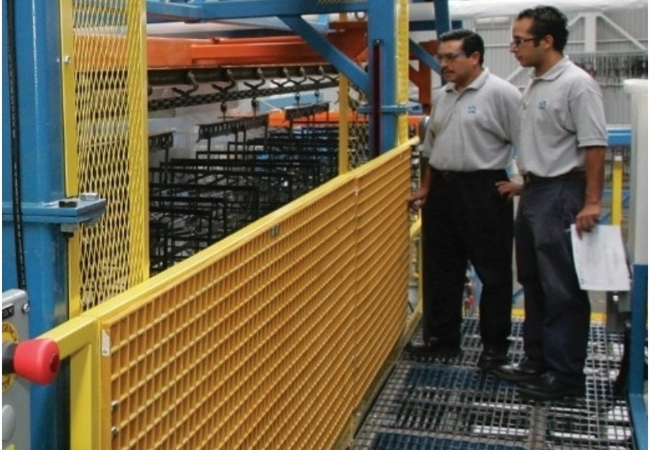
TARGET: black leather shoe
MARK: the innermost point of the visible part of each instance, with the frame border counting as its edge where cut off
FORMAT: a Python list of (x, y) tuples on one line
[(434, 349), (492, 358), (549, 387), (526, 370)]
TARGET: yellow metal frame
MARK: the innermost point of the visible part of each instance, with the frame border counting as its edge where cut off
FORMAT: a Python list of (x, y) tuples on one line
[(311, 304), (71, 161), (78, 340), (103, 69), (402, 66)]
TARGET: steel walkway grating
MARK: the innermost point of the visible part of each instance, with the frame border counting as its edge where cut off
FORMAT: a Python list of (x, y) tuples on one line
[(451, 405)]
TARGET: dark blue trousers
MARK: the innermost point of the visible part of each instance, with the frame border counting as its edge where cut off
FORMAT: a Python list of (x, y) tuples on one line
[(465, 219), (556, 326)]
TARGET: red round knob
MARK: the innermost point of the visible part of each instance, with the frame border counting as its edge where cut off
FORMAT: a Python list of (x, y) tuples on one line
[(37, 360)]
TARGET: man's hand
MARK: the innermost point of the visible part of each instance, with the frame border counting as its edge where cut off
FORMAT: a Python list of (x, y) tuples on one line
[(509, 188), (418, 198), (588, 218)]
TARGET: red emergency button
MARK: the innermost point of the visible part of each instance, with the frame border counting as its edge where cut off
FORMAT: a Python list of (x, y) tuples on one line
[(37, 360)]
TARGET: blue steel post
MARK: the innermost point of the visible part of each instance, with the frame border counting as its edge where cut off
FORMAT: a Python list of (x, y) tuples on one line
[(382, 33), (638, 371), (442, 18), (40, 144)]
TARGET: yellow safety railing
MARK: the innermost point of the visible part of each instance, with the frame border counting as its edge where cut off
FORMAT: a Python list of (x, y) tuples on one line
[(416, 269), (268, 339)]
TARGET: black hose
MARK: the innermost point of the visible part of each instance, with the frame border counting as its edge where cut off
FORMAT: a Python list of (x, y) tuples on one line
[(15, 145)]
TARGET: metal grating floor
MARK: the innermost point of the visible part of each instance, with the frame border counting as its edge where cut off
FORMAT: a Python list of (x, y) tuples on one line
[(451, 405)]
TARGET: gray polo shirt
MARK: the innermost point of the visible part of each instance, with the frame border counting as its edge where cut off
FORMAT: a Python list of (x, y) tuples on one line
[(474, 129), (561, 112)]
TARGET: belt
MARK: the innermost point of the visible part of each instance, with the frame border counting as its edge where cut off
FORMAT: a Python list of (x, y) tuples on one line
[(574, 174), (450, 175)]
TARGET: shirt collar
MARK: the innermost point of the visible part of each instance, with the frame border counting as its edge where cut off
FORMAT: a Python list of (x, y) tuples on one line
[(554, 71)]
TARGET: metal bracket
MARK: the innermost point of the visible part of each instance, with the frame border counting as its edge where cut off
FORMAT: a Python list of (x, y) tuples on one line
[(68, 212)]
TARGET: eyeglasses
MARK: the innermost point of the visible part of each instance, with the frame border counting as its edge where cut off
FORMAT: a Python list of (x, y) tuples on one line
[(516, 42), (449, 56)]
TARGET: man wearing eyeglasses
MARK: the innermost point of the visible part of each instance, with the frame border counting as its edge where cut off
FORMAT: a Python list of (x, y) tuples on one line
[(561, 155), (469, 140)]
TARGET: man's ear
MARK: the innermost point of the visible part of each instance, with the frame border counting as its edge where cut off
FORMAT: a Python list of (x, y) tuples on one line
[(547, 41)]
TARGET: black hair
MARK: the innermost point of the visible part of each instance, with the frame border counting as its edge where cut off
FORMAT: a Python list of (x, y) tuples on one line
[(548, 20), (472, 42)]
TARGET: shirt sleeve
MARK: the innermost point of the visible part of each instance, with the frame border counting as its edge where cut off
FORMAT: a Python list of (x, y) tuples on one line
[(511, 100), (588, 114)]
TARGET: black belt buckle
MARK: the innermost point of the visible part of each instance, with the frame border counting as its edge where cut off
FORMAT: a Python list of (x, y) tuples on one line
[(528, 178)]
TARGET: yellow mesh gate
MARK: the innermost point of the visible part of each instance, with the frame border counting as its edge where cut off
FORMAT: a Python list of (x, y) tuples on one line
[(105, 114), (269, 338)]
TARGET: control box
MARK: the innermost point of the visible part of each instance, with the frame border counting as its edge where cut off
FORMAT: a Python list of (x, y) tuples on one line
[(15, 390)]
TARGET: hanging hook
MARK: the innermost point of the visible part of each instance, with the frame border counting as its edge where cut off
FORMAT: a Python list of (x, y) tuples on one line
[(323, 76), (260, 75), (231, 83), (287, 77), (303, 78), (194, 88)]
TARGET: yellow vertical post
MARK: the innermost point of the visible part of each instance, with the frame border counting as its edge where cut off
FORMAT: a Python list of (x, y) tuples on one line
[(78, 340), (344, 121), (402, 48), (617, 190), (136, 50), (70, 157)]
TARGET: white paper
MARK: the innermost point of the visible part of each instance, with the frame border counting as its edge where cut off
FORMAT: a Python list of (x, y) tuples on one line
[(600, 259)]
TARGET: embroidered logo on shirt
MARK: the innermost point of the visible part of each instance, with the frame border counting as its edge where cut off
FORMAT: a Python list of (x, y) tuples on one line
[(471, 109), (542, 105)]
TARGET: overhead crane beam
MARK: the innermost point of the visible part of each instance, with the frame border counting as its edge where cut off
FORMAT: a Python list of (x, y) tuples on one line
[(238, 9), (338, 47)]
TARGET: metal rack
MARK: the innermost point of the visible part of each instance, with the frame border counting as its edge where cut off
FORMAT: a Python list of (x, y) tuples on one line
[(195, 202)]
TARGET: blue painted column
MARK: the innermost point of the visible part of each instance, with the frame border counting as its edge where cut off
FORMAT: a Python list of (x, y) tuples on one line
[(40, 146), (638, 371), (382, 37), (442, 17)]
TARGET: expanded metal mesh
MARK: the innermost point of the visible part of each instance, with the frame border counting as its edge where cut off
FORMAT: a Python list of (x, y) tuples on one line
[(358, 129), (109, 59), (450, 404), (269, 338)]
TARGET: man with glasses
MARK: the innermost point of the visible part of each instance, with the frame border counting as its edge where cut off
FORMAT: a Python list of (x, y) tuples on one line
[(469, 139), (561, 156)]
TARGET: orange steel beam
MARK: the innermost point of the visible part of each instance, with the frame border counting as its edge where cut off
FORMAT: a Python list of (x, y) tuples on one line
[(166, 53), (107, 52)]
